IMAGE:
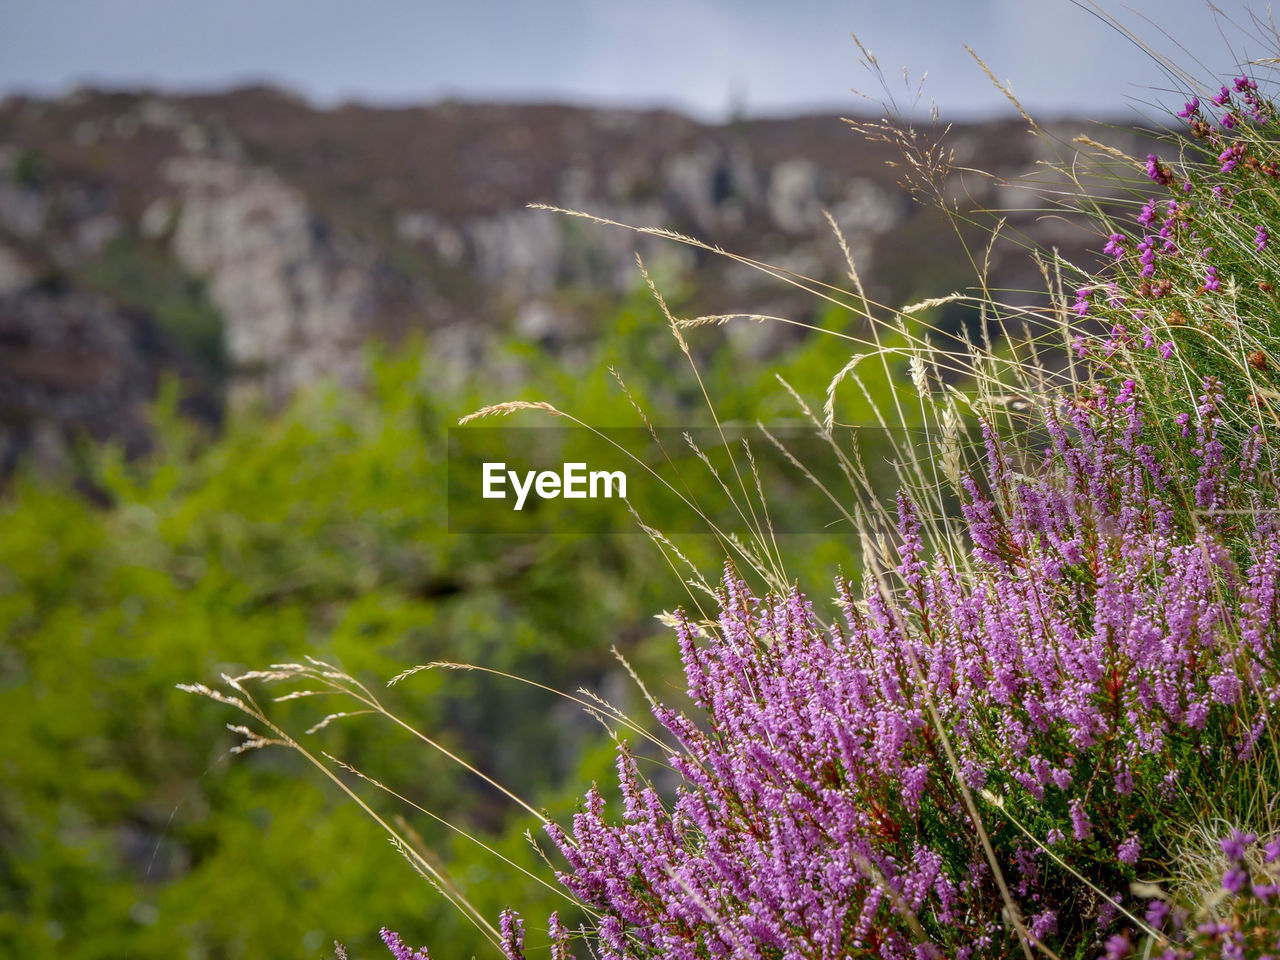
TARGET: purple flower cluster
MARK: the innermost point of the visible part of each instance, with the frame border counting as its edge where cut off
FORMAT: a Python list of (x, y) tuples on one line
[(1251, 928), (398, 948), (1158, 172), (1115, 246), (822, 811), (1113, 634), (1228, 180)]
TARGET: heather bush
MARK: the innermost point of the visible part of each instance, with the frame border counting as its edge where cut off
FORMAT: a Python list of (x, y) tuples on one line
[(1191, 290), (1053, 680), (964, 759), (1020, 723)]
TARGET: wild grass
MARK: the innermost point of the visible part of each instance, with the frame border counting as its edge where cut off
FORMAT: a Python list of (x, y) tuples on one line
[(1153, 829)]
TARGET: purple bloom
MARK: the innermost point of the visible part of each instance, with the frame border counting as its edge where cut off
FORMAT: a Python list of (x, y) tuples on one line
[(1129, 850), (1086, 640), (1118, 947), (512, 929), (1234, 880), (1043, 924), (1147, 255), (1115, 245), (1081, 306), (1230, 157), (1260, 238), (1192, 107), (398, 948), (1157, 171), (1211, 282), (1235, 845), (1080, 825)]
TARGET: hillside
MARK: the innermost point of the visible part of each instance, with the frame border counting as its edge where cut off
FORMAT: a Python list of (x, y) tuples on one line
[(250, 243)]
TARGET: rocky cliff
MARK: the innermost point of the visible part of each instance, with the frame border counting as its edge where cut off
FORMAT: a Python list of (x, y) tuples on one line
[(251, 243)]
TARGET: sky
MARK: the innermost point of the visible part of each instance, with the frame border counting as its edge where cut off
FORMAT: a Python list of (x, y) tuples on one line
[(709, 58)]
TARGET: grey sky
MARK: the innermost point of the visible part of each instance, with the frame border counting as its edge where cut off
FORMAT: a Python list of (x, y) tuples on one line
[(702, 56)]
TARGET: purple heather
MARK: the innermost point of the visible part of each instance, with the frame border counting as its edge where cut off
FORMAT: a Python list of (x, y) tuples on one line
[(1158, 171), (1092, 637), (398, 948), (1235, 845), (1234, 880), (1129, 850)]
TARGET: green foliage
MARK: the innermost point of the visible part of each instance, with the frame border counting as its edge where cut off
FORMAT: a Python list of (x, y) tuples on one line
[(140, 275), (125, 827), (28, 168)]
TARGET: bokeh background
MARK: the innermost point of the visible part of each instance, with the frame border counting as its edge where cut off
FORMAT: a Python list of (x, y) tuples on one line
[(255, 259)]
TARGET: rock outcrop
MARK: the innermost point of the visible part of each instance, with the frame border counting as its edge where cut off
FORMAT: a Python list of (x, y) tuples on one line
[(296, 303), (72, 364), (313, 231)]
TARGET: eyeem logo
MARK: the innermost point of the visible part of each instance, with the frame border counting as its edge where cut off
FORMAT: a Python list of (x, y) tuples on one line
[(573, 483)]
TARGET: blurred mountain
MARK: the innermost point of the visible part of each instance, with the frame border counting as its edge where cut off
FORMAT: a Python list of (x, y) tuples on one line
[(249, 243)]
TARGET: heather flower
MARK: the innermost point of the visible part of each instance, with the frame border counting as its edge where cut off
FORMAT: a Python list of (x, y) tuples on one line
[(1118, 947), (1260, 239), (1266, 892), (1043, 924), (1080, 825), (1115, 245), (398, 948), (1147, 255), (813, 772), (1157, 911), (1232, 155), (1234, 880), (1222, 98), (1157, 171), (1211, 282), (1129, 850), (559, 939), (1235, 845), (512, 929), (1192, 107)]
